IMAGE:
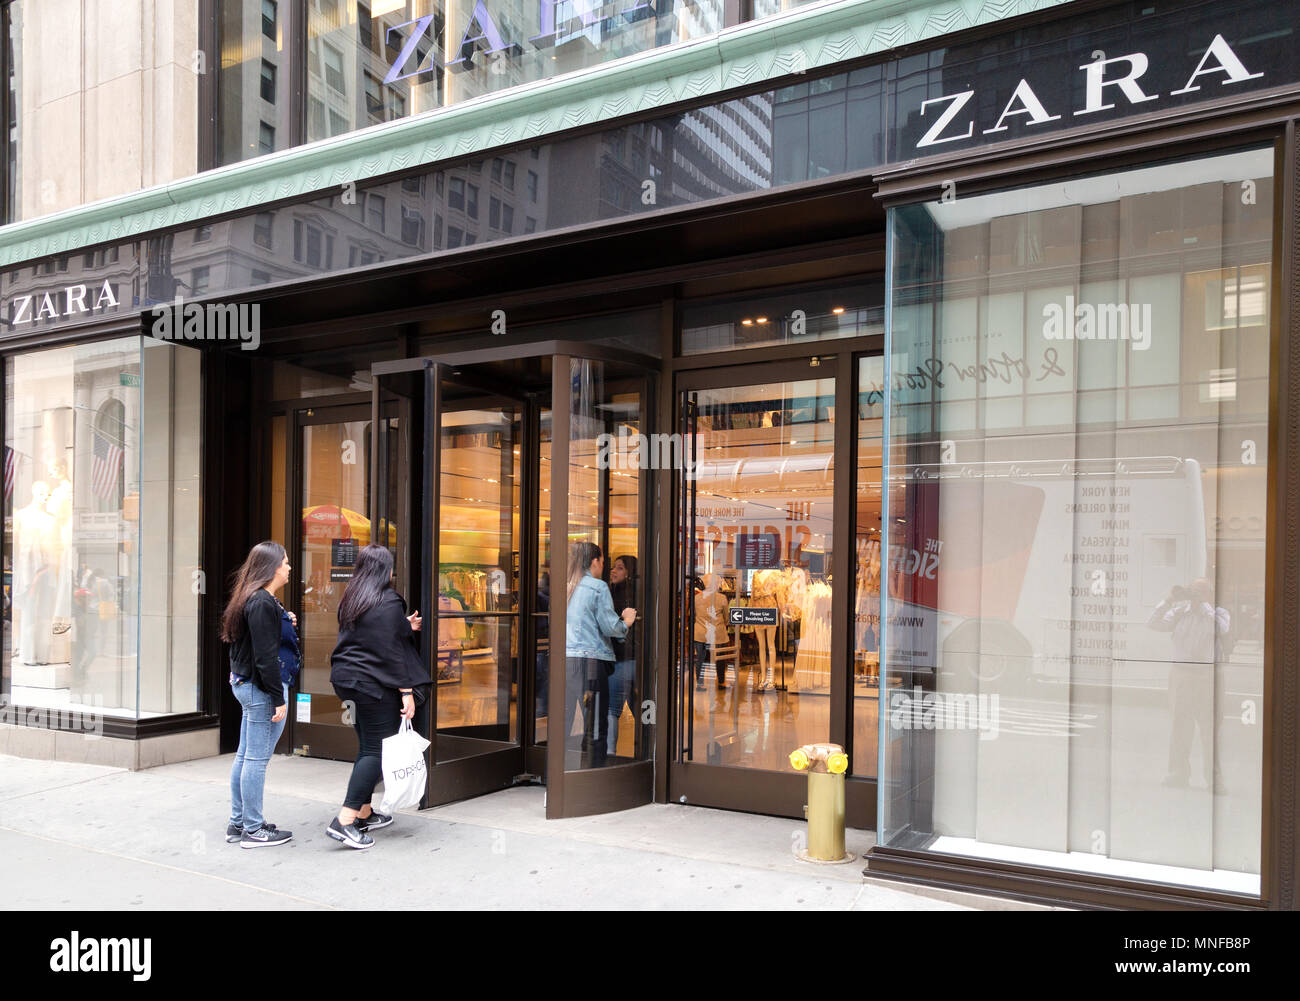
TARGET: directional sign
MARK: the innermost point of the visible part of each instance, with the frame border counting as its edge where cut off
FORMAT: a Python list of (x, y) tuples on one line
[(740, 616)]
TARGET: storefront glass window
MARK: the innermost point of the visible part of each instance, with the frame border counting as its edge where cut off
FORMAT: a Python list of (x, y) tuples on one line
[(377, 61), (808, 314), (102, 619), (1078, 429), (254, 95)]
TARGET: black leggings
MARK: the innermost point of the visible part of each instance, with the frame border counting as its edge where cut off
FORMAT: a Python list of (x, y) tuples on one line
[(375, 720)]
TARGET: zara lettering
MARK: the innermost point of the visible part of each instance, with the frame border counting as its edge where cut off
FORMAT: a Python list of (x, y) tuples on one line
[(483, 32), (47, 303), (1103, 78)]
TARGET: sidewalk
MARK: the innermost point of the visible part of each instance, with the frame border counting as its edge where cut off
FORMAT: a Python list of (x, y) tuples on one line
[(90, 837)]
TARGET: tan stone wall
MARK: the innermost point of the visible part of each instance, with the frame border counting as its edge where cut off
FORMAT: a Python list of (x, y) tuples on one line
[(107, 98)]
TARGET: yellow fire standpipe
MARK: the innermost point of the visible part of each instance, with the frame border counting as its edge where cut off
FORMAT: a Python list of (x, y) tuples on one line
[(825, 765)]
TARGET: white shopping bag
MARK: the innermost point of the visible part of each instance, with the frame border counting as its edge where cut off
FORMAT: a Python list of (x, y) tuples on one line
[(404, 773)]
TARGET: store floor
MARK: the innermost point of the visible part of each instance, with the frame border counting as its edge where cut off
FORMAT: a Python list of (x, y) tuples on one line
[(742, 727), (738, 724), (81, 844)]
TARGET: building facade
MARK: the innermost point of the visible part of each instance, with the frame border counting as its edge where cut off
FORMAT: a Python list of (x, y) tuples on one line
[(924, 372)]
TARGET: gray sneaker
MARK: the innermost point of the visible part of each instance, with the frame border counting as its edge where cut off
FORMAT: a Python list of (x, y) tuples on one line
[(235, 832), (265, 837), (374, 822), (352, 836)]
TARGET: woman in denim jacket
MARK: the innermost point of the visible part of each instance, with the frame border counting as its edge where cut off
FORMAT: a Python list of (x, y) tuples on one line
[(590, 624)]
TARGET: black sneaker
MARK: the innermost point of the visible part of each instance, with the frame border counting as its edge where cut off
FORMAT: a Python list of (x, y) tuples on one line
[(234, 832), (265, 837), (374, 822), (352, 836)]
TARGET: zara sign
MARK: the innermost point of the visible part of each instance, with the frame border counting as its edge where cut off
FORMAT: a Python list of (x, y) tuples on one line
[(482, 32), (1106, 81)]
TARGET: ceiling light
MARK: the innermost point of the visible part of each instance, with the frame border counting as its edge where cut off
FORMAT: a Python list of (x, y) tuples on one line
[(837, 310), (762, 319), (746, 322)]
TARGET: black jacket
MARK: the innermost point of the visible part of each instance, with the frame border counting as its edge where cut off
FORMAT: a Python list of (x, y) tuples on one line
[(379, 653), (256, 654), (624, 596)]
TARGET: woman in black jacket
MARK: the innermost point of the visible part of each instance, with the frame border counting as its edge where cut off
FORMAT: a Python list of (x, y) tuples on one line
[(377, 667), (251, 625)]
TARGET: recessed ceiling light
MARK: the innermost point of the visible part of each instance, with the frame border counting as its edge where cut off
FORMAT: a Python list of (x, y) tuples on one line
[(746, 322), (837, 310), (762, 319)]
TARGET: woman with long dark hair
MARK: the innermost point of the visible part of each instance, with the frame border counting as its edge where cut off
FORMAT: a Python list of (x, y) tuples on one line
[(376, 666), (590, 623), (622, 589), (251, 625)]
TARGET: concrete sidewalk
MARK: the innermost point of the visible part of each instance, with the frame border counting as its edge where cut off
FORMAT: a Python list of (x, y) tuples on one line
[(90, 837)]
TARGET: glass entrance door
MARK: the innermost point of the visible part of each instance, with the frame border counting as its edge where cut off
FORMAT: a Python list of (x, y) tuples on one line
[(332, 488), (503, 486), (756, 596), (470, 505), (777, 579)]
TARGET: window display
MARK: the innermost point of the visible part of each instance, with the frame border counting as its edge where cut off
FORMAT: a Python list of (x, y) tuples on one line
[(101, 618), (1078, 423)]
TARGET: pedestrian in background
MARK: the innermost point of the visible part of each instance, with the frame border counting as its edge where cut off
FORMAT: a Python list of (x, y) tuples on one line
[(590, 623)]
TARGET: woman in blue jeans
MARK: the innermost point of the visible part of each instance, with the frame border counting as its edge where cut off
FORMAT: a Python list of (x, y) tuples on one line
[(622, 587), (251, 625), (590, 623)]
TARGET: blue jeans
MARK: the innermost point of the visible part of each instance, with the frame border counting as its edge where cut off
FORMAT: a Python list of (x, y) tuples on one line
[(257, 739), (620, 693)]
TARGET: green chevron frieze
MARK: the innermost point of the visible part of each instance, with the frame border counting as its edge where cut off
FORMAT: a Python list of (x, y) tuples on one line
[(808, 38)]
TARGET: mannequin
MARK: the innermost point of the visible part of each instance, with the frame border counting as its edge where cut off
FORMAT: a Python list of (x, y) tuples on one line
[(34, 588), (711, 623), (768, 592)]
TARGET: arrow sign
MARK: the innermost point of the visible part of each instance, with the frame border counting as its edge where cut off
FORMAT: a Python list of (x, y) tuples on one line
[(739, 616)]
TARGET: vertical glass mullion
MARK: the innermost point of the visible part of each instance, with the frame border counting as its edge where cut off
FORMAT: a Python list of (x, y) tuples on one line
[(883, 779)]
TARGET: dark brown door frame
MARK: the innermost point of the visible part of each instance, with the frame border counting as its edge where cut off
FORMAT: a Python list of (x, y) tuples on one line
[(771, 792)]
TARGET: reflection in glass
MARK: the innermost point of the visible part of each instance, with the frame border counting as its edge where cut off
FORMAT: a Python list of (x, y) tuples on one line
[(867, 566), (254, 84), (378, 62), (335, 525), (1076, 518), (818, 313)]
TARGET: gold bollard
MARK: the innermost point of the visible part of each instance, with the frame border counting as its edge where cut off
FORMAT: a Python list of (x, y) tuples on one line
[(825, 765)]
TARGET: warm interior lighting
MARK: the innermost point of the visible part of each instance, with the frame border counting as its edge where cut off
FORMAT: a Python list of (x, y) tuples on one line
[(747, 322), (837, 310), (762, 319)]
